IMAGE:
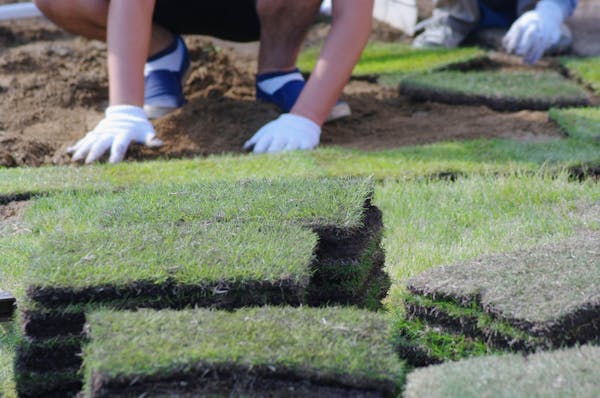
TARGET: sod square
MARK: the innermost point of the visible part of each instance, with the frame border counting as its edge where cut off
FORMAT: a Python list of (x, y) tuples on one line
[(537, 298), (573, 372), (497, 89), (579, 123), (274, 351), (587, 70), (389, 63)]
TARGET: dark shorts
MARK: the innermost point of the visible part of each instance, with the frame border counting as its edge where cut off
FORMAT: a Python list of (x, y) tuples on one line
[(234, 20)]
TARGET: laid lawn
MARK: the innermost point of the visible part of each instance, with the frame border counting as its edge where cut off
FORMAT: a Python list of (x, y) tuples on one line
[(500, 90), (389, 63), (585, 69), (581, 123)]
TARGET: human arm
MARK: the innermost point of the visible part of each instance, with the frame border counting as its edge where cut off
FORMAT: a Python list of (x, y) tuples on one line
[(128, 39), (537, 30), (351, 27)]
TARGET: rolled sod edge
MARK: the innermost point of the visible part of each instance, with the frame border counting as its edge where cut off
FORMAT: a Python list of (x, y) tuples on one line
[(218, 378), (50, 355), (510, 104)]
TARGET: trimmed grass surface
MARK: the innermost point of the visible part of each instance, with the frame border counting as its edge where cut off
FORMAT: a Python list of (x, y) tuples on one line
[(499, 90), (335, 347), (477, 157), (318, 202), (190, 254), (391, 62), (585, 69), (567, 373), (580, 123), (549, 291)]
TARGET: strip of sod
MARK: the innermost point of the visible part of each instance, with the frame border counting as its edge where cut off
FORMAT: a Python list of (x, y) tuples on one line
[(570, 372), (334, 202), (580, 123), (549, 292), (65, 383), (585, 69), (499, 90), (280, 351), (391, 62)]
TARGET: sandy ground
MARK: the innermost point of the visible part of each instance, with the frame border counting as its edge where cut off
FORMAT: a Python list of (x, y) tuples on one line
[(54, 88)]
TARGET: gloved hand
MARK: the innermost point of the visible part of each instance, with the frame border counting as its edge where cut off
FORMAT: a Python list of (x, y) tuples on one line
[(535, 31), (286, 133), (122, 125)]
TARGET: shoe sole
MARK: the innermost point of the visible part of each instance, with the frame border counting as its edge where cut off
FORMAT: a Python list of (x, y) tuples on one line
[(156, 111), (339, 111)]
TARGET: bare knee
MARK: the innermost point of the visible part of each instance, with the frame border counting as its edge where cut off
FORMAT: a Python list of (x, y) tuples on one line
[(54, 8), (84, 17)]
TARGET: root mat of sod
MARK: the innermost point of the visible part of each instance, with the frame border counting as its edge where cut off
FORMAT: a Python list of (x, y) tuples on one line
[(573, 372), (282, 352), (543, 297), (499, 90)]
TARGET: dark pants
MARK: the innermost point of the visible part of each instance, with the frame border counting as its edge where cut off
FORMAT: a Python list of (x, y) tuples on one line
[(234, 20)]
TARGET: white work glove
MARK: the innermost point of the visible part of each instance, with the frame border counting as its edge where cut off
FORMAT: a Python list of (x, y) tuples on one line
[(122, 125), (535, 31), (286, 133)]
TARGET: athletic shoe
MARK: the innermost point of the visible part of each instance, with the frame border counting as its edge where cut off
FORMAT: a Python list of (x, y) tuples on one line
[(437, 34), (284, 88), (165, 74)]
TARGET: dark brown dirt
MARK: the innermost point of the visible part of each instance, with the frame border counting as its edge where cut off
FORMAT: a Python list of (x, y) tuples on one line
[(54, 89)]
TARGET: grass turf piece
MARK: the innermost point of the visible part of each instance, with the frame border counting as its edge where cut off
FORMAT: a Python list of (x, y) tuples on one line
[(422, 344), (312, 202), (585, 69), (580, 123), (339, 351), (566, 373), (391, 62), (499, 90), (239, 264), (550, 292)]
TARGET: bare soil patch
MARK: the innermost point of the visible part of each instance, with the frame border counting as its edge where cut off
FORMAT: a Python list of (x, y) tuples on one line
[(54, 89)]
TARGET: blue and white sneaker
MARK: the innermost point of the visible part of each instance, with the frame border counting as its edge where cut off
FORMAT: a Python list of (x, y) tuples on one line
[(164, 76), (284, 88)]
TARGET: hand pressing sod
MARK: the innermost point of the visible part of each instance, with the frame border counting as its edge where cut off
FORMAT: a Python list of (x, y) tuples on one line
[(288, 132), (122, 125), (535, 32)]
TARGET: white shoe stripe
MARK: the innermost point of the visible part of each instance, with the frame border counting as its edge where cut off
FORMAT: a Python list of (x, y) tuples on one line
[(275, 83)]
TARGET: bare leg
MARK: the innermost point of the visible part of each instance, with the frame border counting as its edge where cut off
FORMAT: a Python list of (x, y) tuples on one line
[(88, 18), (284, 25)]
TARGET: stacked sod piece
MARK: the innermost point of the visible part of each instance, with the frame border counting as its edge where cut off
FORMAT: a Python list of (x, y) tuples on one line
[(268, 351), (219, 245), (498, 89), (573, 372), (545, 297)]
